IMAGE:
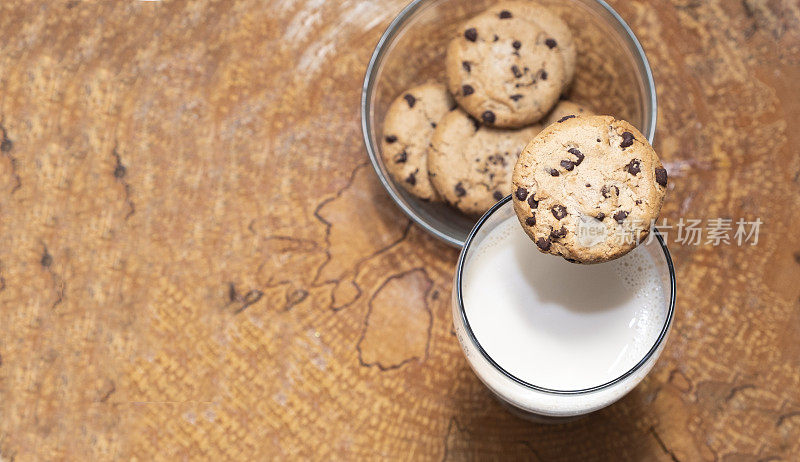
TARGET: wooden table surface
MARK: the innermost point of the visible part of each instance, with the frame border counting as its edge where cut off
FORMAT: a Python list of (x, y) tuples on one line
[(196, 260)]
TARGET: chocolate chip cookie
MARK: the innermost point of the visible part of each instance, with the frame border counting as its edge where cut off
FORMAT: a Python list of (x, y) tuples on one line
[(470, 164), (566, 109), (505, 70), (559, 35), (407, 128), (587, 188)]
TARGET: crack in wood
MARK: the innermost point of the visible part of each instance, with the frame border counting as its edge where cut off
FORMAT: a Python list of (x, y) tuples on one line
[(530, 447), (450, 426), (676, 379), (692, 5), (748, 10), (356, 268), (711, 450), (663, 446), (250, 298), (294, 298), (110, 391), (6, 146), (328, 225), (58, 283), (365, 325), (784, 417), (363, 261), (120, 171), (737, 389)]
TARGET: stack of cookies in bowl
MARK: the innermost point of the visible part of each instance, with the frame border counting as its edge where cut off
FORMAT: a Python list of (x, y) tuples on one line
[(507, 69)]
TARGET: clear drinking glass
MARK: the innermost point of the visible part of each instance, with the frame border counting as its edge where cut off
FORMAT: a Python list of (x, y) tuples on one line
[(613, 77), (529, 400)]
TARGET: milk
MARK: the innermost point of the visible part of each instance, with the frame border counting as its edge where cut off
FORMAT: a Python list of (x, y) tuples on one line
[(558, 325)]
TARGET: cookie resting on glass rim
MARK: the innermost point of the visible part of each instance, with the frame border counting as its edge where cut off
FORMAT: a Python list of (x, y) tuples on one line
[(588, 188)]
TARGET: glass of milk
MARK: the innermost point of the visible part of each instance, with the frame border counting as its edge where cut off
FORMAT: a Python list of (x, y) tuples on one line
[(551, 339)]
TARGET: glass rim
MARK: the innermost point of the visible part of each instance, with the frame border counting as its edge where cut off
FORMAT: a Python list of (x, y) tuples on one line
[(369, 85), (460, 300)]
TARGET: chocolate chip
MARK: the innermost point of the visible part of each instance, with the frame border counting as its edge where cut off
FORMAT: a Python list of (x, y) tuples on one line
[(496, 38), (515, 70), (467, 90), (471, 34), (488, 117), (515, 97), (533, 202), (588, 185), (516, 44), (620, 216), (600, 216), (433, 124), (460, 191), (554, 172), (401, 158), (558, 233), (543, 74), (543, 243), (633, 167), (466, 66), (575, 152), (551, 43), (530, 221), (568, 165), (521, 193), (497, 195), (598, 140), (566, 117), (410, 100), (505, 14), (497, 159), (606, 191), (391, 139), (627, 139), (661, 176), (638, 202), (559, 211), (412, 180)]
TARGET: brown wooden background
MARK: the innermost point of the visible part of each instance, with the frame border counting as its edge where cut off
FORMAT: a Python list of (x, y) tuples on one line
[(197, 261)]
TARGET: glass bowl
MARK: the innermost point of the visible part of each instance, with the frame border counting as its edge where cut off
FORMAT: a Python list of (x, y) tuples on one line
[(613, 77)]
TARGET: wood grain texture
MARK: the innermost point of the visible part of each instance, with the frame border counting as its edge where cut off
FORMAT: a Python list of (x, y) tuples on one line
[(197, 261)]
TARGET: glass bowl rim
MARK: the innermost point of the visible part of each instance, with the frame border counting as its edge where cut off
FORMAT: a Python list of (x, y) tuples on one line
[(662, 336), (369, 83)]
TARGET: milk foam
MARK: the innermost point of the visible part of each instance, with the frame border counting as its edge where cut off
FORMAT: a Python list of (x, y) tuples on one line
[(556, 324)]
